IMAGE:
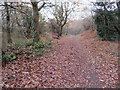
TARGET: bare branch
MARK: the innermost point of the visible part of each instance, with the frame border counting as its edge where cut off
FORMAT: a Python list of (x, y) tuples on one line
[(41, 6)]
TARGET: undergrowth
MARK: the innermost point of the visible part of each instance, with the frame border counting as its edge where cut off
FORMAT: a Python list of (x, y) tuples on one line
[(28, 48)]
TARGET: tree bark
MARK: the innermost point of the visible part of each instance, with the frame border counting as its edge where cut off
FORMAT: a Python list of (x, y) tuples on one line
[(9, 40), (36, 21), (61, 30)]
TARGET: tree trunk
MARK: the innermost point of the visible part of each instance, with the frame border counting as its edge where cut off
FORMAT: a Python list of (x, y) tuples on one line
[(118, 6), (61, 31), (9, 40), (36, 21)]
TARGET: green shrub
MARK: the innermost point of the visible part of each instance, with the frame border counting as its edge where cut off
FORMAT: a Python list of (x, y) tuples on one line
[(12, 57), (39, 44), (6, 57)]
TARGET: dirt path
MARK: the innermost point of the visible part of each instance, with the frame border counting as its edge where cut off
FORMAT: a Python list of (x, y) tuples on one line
[(69, 66), (76, 64)]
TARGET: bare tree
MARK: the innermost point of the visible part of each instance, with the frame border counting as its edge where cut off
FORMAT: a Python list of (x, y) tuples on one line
[(36, 10), (61, 13)]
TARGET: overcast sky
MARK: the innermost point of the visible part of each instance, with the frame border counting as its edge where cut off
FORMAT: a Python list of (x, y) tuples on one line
[(82, 9)]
